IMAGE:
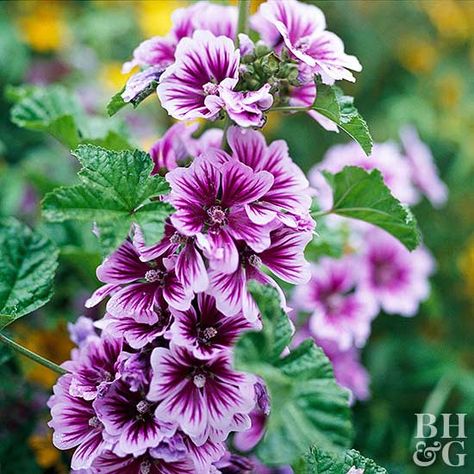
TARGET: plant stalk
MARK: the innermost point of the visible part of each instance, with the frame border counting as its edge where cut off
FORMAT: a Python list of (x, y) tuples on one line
[(31, 355), (242, 23)]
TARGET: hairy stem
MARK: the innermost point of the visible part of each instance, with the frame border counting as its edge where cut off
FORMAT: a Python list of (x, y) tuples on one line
[(32, 355), (242, 24), (288, 108)]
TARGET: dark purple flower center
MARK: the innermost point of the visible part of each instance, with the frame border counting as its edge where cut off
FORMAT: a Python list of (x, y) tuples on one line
[(178, 239), (384, 273), (217, 216), (155, 276), (206, 334)]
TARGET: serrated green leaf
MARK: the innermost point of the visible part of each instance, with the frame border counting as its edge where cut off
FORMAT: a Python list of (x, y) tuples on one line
[(28, 262), (116, 190), (363, 195), (340, 109), (309, 406), (317, 461), (56, 111)]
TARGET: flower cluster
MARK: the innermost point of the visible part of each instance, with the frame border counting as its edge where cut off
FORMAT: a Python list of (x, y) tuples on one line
[(198, 72), (344, 295)]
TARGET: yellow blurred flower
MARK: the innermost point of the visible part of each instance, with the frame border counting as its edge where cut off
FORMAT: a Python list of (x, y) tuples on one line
[(112, 77), (466, 265), (154, 16), (449, 89), (54, 344), (450, 17), (47, 456), (43, 26), (417, 55)]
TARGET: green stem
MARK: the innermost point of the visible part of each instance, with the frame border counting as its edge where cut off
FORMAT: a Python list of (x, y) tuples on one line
[(321, 213), (32, 355), (288, 108), (242, 23)]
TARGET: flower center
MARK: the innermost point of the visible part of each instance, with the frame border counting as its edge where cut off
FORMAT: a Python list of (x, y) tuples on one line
[(217, 216), (303, 44), (333, 302), (145, 467), (210, 88), (255, 260), (94, 422), (143, 407), (178, 239), (207, 334), (384, 273), (155, 276), (199, 380)]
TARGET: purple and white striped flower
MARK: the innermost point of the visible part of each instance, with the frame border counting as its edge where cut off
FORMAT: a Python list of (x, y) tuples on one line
[(338, 311), (110, 463), (76, 425), (289, 194), (139, 289), (204, 330), (189, 87), (423, 169), (189, 264), (137, 334), (301, 28), (200, 395), (209, 199), (94, 366), (284, 257), (129, 420), (393, 277)]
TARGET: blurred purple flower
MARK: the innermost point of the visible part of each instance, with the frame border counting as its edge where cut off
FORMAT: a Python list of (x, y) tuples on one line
[(423, 169)]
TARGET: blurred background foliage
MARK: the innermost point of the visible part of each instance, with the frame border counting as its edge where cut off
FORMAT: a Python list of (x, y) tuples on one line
[(418, 59)]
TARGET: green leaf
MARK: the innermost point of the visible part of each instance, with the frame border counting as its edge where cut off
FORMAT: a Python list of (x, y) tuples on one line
[(28, 262), (56, 111), (116, 190), (363, 195), (116, 103), (339, 108), (317, 461), (309, 407)]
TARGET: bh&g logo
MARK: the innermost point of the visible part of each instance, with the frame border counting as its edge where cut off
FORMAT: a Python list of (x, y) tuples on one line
[(450, 447)]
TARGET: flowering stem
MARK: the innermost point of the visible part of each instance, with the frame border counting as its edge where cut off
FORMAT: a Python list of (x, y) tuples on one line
[(321, 213), (32, 355), (242, 24)]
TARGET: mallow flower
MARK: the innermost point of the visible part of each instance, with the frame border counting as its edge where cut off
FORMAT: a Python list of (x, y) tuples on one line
[(209, 198), (202, 396), (393, 277), (338, 312), (301, 29), (139, 288)]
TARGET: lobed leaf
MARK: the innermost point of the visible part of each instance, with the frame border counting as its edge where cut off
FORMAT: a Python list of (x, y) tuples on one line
[(28, 263), (116, 191), (56, 111), (309, 406), (363, 195)]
